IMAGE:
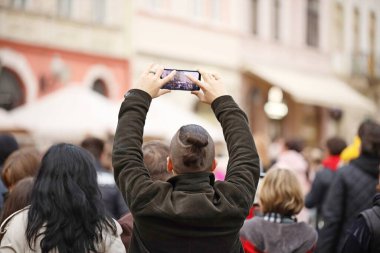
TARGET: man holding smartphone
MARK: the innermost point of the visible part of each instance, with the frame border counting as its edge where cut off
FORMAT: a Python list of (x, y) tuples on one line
[(190, 212)]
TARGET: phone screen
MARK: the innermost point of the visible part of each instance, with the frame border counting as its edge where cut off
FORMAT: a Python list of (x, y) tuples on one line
[(180, 80)]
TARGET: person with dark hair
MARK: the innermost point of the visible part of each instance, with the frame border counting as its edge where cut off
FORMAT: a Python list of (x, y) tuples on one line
[(66, 213), (190, 212), (324, 177), (278, 231), (155, 155), (111, 196), (364, 234), (352, 151), (351, 191), (22, 163), (8, 145), (19, 198)]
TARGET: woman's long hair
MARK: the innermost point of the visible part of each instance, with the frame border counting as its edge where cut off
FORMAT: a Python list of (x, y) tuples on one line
[(66, 210)]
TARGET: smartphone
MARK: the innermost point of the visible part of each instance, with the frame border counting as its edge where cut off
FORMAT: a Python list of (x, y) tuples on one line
[(180, 80)]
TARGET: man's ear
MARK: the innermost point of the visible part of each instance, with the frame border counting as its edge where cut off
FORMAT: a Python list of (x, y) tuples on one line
[(169, 164), (213, 166)]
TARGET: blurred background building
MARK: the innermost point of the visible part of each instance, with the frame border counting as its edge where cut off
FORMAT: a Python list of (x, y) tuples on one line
[(306, 68)]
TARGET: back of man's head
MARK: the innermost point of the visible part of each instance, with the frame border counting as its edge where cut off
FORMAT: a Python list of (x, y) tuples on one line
[(155, 154), (94, 145), (295, 144), (192, 150), (371, 139), (336, 145), (8, 145)]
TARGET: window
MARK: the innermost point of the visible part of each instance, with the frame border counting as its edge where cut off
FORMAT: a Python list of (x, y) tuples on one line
[(155, 4), (276, 19), (198, 8), (18, 4), (11, 90), (100, 87), (216, 10), (338, 27), (99, 10), (254, 16), (356, 29), (64, 8), (372, 44), (312, 33)]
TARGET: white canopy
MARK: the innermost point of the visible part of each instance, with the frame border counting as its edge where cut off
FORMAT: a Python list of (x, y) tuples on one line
[(314, 88), (6, 121), (68, 114), (165, 118), (74, 112)]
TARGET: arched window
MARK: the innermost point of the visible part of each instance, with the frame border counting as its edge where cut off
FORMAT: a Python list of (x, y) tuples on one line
[(100, 87), (312, 33), (11, 89)]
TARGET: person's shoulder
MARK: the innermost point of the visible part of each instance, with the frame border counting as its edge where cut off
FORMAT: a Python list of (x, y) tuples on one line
[(308, 231), (19, 217), (255, 223)]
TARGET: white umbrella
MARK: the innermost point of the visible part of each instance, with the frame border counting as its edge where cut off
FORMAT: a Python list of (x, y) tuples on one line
[(164, 118), (68, 114), (6, 121)]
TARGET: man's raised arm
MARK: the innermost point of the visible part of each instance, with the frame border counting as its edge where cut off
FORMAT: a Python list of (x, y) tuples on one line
[(243, 167)]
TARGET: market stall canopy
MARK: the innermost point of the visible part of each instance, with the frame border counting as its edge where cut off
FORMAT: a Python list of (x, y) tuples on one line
[(164, 118), (6, 122), (314, 88), (68, 114)]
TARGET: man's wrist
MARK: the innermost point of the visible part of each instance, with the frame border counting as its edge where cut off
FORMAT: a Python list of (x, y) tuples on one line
[(137, 92)]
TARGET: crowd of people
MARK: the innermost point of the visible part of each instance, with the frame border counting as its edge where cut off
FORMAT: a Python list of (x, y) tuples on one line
[(164, 198)]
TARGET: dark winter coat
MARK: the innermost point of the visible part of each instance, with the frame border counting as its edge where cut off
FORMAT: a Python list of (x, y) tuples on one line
[(190, 212), (317, 195), (365, 232), (111, 196), (350, 193)]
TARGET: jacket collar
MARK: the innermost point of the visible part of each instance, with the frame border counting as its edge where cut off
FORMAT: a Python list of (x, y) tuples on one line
[(200, 181), (368, 164), (376, 200)]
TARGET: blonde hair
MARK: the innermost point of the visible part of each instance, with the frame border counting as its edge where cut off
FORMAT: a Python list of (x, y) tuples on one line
[(281, 193)]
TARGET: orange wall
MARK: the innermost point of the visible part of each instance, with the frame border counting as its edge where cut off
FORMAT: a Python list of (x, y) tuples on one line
[(40, 58)]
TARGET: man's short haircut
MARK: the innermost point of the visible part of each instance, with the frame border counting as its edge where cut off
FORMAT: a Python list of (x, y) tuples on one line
[(155, 155), (295, 144), (8, 145), (336, 145), (94, 145), (370, 138), (281, 193), (192, 150)]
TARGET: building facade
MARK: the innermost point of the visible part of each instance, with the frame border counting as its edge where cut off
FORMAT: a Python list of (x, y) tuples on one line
[(257, 45), (46, 45), (294, 65)]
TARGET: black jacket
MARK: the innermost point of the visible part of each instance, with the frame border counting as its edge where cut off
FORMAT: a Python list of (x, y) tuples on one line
[(317, 195), (111, 196), (190, 212), (350, 193), (365, 232)]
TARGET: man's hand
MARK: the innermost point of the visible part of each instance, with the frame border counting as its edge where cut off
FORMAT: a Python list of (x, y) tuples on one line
[(212, 87), (151, 83)]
